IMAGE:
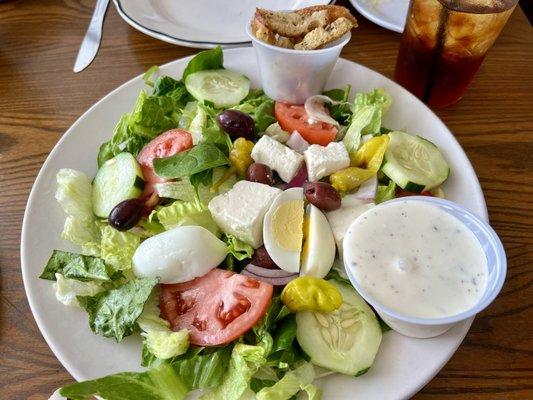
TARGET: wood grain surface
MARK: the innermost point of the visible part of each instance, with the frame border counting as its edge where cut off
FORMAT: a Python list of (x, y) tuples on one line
[(40, 97)]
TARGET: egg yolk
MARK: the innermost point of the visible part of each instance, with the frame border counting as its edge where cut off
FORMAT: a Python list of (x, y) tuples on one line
[(287, 225)]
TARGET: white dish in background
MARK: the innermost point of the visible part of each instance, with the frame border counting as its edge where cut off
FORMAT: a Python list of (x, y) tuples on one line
[(403, 365), (200, 23), (389, 14)]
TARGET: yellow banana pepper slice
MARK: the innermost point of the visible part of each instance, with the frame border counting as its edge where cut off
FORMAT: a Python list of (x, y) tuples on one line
[(309, 293)]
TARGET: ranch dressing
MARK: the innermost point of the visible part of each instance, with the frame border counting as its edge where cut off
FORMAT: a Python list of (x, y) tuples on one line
[(416, 259)]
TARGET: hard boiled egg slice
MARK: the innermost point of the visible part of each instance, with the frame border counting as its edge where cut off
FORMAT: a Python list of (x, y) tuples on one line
[(283, 229), (178, 255), (319, 245)]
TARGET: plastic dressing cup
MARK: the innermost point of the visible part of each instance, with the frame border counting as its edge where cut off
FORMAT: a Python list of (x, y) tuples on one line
[(430, 327), (290, 75)]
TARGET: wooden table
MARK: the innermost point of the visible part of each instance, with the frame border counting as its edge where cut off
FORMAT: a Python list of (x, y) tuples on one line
[(40, 98)]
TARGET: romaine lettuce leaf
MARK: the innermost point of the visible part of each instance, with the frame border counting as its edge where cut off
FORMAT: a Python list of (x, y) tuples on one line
[(203, 368), (204, 60), (73, 194), (77, 266), (360, 119), (151, 115), (237, 248), (68, 289), (244, 363), (113, 313), (342, 111), (380, 100), (159, 339), (161, 383), (182, 213), (292, 382), (385, 192), (118, 247)]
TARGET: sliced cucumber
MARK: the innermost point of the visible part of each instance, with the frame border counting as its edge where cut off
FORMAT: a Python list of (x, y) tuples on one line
[(120, 178), (345, 340), (222, 87), (414, 163)]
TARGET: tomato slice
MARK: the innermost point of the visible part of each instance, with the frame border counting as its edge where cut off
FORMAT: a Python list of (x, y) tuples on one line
[(293, 117), (165, 145), (215, 308)]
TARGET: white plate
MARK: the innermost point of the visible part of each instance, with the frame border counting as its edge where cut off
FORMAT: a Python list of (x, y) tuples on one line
[(389, 14), (403, 365), (199, 23)]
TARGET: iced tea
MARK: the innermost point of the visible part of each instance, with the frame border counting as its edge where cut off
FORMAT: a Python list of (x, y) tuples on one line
[(444, 43)]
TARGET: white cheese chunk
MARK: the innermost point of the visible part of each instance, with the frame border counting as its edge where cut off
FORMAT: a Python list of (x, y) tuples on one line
[(323, 161), (341, 219), (240, 211), (285, 161)]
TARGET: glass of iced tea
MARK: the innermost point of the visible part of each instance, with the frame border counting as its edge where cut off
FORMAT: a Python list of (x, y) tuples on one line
[(444, 43)]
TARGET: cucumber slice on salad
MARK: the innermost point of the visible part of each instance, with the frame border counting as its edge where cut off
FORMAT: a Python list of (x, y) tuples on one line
[(345, 340), (120, 178), (222, 87), (414, 163)]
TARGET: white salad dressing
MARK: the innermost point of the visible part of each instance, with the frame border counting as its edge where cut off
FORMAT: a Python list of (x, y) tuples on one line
[(416, 259)]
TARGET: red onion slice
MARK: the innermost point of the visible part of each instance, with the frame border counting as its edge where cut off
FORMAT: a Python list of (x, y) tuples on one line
[(316, 110), (272, 281), (367, 190), (266, 272), (297, 142), (299, 179)]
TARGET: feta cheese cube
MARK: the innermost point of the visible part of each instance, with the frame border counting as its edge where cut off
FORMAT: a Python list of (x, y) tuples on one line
[(323, 161), (280, 158), (341, 219), (240, 211)]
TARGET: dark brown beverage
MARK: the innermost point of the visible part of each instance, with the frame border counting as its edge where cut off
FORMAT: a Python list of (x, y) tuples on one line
[(444, 43)]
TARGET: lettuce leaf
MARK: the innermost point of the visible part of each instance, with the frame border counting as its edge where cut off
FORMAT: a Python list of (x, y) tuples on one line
[(159, 339), (73, 194), (237, 248), (244, 363), (292, 382), (380, 100), (182, 189), (68, 289), (360, 119), (76, 266), (341, 112), (182, 213), (203, 368), (161, 383), (385, 192), (113, 313), (151, 115), (118, 247), (204, 60)]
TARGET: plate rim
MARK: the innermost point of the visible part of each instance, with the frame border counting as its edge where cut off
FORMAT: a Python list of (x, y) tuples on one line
[(372, 17), (32, 198)]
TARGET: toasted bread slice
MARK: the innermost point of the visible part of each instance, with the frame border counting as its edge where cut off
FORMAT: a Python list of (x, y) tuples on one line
[(321, 36), (264, 34), (298, 23)]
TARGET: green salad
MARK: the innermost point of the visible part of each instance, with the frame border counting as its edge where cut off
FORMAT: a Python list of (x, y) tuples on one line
[(213, 229)]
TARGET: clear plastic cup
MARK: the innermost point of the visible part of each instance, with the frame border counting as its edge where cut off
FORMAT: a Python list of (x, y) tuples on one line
[(497, 268), (290, 75)]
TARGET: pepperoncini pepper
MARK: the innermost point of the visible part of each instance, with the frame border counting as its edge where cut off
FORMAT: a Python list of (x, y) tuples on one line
[(365, 163), (240, 158), (308, 293)]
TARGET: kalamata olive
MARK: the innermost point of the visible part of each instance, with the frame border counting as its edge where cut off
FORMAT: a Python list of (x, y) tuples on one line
[(322, 195), (261, 173), (236, 123), (261, 258), (126, 214)]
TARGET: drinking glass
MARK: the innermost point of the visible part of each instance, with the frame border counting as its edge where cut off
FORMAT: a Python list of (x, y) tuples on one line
[(444, 43)]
